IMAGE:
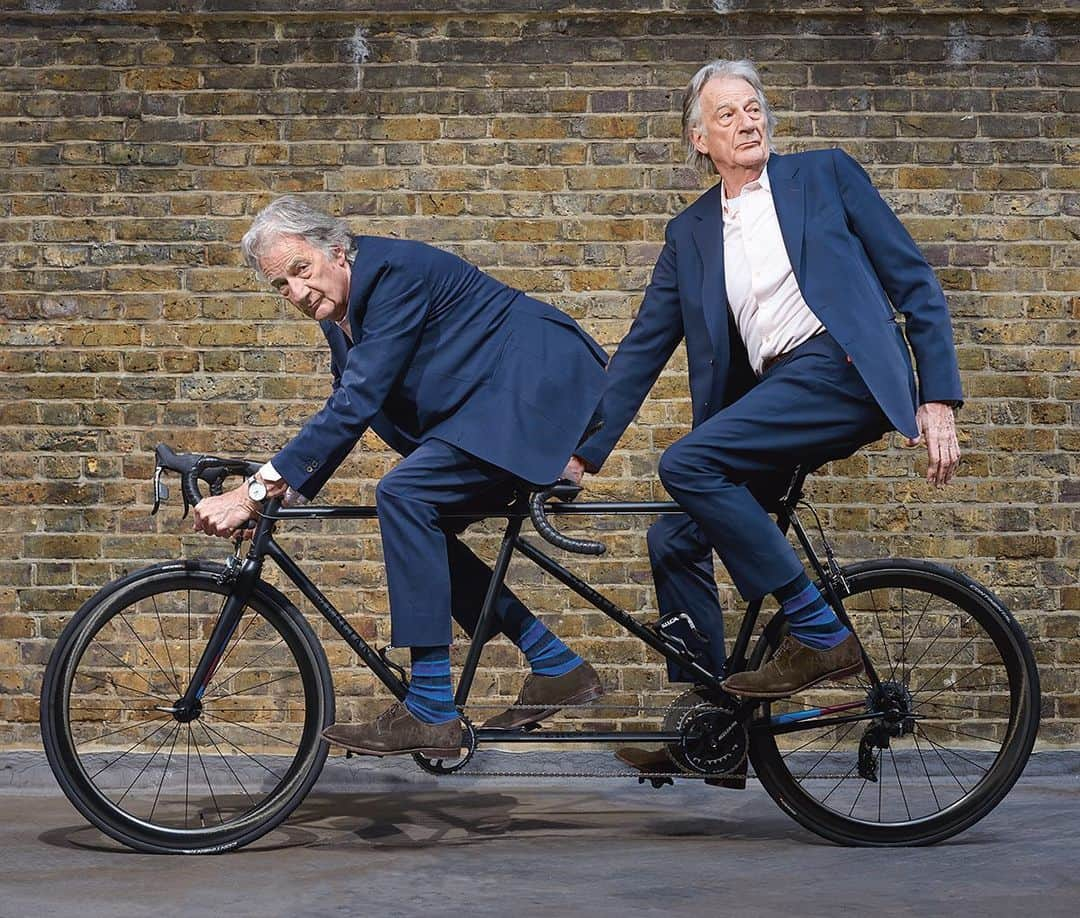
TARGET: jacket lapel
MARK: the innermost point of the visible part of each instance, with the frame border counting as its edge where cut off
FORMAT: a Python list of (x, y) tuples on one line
[(360, 284), (789, 197), (709, 238)]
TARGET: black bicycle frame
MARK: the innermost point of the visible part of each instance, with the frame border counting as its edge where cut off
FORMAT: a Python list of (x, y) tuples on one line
[(244, 576)]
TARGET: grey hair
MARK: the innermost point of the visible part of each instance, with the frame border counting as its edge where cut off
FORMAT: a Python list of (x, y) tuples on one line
[(743, 70), (290, 215)]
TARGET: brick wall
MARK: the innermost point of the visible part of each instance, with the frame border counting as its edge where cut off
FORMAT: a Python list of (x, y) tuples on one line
[(540, 140)]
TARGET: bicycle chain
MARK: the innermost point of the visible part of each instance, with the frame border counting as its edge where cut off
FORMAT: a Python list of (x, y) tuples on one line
[(591, 706)]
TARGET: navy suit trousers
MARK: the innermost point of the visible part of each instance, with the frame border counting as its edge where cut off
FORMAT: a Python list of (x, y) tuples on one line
[(810, 407), (430, 574)]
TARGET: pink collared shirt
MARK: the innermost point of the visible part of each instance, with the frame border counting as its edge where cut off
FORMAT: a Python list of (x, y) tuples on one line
[(769, 308)]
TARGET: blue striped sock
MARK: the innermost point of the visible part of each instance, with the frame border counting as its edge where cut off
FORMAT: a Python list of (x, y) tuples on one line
[(547, 655), (430, 698), (810, 618)]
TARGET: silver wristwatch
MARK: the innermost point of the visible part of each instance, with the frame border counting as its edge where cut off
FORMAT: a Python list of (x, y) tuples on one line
[(256, 490)]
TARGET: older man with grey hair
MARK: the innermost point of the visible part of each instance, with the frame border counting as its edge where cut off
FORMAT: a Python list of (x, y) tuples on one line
[(453, 369), (784, 280)]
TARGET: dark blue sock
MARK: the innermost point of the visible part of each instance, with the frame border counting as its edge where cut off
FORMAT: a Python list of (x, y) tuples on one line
[(547, 655), (810, 618), (430, 697)]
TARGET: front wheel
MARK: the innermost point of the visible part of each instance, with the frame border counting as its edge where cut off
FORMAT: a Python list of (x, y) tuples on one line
[(929, 747), (206, 781)]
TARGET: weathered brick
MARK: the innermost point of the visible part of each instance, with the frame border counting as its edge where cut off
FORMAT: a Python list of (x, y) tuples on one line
[(546, 150)]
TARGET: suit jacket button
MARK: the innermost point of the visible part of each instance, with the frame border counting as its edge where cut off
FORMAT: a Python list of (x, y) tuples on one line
[(310, 468)]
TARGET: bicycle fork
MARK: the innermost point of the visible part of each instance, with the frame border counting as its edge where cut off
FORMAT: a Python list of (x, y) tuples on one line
[(244, 577)]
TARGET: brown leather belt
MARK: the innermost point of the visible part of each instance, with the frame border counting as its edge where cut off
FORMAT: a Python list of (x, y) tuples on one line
[(771, 361)]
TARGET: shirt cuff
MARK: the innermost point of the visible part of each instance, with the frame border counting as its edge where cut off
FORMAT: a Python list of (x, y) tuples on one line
[(269, 473)]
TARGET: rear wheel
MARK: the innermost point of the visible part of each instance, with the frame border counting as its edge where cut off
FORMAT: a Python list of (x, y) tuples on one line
[(162, 781), (936, 744)]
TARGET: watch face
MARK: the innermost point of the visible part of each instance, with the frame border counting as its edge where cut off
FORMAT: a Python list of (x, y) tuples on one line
[(256, 490)]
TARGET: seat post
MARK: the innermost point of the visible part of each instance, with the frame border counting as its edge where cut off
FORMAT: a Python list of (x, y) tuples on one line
[(794, 492)]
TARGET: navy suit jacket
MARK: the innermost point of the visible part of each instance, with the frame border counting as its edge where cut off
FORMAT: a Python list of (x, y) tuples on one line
[(442, 350), (854, 263)]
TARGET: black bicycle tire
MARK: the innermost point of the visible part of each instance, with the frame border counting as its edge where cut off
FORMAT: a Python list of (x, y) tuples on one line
[(59, 673), (1008, 765)]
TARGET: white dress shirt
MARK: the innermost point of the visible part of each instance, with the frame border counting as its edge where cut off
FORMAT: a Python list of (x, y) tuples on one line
[(769, 308)]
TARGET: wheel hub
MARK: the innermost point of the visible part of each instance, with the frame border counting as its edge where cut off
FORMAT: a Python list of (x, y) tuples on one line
[(894, 702), (186, 714)]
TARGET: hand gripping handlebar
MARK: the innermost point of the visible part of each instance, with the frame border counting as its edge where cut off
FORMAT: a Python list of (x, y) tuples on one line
[(192, 469), (563, 490)]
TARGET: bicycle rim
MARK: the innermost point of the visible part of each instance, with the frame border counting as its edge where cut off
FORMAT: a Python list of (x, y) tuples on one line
[(942, 739), (211, 783)]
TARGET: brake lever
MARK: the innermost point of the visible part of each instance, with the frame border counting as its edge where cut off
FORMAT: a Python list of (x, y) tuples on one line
[(161, 490)]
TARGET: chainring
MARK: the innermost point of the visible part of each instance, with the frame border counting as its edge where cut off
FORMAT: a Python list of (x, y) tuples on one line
[(712, 741)]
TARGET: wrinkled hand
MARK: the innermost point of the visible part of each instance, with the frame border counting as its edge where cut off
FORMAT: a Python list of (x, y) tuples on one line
[(225, 514), (574, 470), (938, 430)]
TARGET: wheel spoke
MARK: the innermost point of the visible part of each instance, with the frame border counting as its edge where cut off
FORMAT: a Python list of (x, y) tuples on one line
[(900, 783), (884, 640), (237, 672), (251, 688), (131, 748), (94, 739), (206, 775), (225, 759), (236, 643), (839, 740), (956, 653), (152, 694), (165, 641), (841, 781), (914, 631), (165, 771), (938, 749), (150, 653), (243, 752), (956, 685), (234, 723), (926, 649), (146, 764), (929, 780)]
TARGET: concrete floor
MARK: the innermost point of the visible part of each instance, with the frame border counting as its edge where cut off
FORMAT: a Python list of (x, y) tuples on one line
[(506, 847)]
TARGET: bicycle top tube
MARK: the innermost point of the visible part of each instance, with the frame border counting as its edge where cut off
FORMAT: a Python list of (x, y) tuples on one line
[(514, 511)]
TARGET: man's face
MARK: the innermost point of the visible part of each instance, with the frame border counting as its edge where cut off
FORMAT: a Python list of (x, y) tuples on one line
[(316, 285), (732, 128)]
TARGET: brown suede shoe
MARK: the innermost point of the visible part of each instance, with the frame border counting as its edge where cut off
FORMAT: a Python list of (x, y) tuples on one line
[(397, 732), (795, 667), (657, 761), (579, 686)]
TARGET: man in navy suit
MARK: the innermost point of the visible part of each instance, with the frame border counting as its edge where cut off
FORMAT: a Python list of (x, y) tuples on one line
[(782, 280), (479, 387)]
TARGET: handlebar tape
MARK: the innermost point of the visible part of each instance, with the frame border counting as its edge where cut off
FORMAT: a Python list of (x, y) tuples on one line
[(550, 533)]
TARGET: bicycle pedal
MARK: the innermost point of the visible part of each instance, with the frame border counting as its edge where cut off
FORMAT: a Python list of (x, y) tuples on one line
[(657, 783), (530, 726)]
